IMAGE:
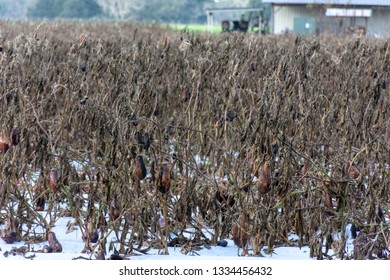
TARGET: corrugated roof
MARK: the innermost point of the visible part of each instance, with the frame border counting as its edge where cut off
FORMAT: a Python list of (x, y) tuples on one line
[(333, 2)]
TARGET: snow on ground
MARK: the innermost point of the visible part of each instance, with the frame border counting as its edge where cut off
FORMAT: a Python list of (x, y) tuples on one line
[(72, 246)]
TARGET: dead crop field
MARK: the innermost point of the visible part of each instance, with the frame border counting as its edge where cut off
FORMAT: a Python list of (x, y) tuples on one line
[(140, 132)]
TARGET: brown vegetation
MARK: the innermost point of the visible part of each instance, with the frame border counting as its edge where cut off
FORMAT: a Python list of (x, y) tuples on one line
[(119, 100)]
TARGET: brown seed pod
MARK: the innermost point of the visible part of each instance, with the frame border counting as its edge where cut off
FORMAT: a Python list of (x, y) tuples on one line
[(15, 136), (40, 204), (239, 236), (304, 169), (139, 169), (53, 180), (3, 147), (9, 237), (115, 213), (53, 242), (328, 200), (264, 182), (353, 171), (115, 209), (164, 182)]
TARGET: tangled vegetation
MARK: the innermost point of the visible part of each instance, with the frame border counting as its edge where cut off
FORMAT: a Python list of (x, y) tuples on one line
[(139, 132)]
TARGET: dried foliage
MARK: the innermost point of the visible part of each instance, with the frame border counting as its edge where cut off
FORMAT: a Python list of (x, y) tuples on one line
[(140, 132)]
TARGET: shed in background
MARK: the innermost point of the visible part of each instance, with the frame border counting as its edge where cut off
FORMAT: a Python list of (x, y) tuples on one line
[(371, 17)]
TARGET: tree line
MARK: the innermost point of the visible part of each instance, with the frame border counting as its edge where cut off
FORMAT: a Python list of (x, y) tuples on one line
[(183, 11), (137, 10)]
